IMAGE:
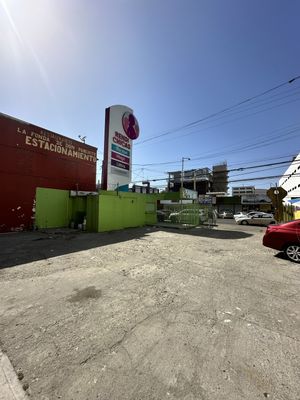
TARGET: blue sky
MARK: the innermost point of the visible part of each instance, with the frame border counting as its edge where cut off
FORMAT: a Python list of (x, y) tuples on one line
[(173, 61)]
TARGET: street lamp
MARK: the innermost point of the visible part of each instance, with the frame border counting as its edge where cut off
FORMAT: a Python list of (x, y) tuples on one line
[(182, 168)]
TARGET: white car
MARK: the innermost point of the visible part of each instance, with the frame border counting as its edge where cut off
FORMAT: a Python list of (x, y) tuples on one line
[(225, 214), (239, 215), (258, 218), (250, 213)]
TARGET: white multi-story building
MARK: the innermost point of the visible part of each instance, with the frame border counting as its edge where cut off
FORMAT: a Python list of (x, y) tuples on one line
[(247, 190), (252, 197), (242, 190), (290, 180)]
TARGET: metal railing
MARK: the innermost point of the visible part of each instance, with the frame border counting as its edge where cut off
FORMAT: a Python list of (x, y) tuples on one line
[(187, 215)]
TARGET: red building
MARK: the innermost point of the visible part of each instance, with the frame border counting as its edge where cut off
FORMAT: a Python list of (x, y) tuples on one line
[(32, 157)]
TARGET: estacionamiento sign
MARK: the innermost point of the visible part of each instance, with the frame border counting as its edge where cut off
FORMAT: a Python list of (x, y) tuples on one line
[(121, 128), (54, 143)]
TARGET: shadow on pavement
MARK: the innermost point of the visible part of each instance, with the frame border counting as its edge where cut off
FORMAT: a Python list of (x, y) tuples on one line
[(25, 247), (210, 233), (281, 255)]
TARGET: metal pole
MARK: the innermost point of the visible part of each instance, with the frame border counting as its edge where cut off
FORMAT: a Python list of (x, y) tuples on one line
[(277, 203), (181, 189), (182, 171), (182, 161)]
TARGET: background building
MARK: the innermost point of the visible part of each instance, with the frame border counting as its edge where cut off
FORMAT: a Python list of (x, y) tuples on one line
[(203, 180), (291, 181), (195, 179), (252, 198), (220, 178), (32, 157), (242, 190)]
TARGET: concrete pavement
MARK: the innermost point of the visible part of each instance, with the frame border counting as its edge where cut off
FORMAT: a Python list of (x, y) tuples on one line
[(151, 314), (11, 389)]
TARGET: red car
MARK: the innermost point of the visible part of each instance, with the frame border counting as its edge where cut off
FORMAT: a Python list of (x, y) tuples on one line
[(284, 237)]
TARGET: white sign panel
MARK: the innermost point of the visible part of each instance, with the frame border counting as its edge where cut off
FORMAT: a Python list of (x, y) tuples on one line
[(121, 128), (188, 194), (255, 199)]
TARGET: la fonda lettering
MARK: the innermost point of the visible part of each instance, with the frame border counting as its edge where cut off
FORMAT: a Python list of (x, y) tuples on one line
[(23, 131)]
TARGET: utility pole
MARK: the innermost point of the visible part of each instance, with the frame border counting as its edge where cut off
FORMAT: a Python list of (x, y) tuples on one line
[(278, 213), (182, 171)]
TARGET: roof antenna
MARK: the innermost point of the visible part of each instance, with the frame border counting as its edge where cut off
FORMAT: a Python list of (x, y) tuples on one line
[(82, 138)]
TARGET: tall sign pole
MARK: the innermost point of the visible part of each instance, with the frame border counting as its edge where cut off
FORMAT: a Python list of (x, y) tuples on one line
[(121, 129)]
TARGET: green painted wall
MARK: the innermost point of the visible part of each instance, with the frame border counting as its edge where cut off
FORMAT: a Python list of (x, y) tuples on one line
[(52, 208), (108, 211), (55, 209), (120, 211)]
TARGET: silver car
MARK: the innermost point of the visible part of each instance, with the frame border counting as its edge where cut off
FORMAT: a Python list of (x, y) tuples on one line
[(239, 215), (225, 214), (188, 216), (250, 214), (259, 218)]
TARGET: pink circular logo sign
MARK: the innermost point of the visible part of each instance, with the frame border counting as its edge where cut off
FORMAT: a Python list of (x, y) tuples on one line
[(130, 125)]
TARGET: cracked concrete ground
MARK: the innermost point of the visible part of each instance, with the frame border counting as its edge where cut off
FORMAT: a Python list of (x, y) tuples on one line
[(150, 314)]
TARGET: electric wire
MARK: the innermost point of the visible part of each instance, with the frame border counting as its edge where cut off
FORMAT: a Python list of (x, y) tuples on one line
[(235, 180), (282, 135), (296, 162), (204, 128), (210, 116)]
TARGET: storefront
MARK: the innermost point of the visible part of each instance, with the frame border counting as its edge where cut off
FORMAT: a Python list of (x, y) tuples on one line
[(31, 157)]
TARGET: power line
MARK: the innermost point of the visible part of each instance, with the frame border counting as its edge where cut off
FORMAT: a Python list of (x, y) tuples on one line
[(262, 165), (273, 166), (210, 116), (235, 180), (244, 168), (262, 178), (268, 141), (282, 134), (264, 159), (254, 172), (224, 122)]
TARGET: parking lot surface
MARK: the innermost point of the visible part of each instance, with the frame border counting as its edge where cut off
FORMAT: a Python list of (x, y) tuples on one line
[(150, 313)]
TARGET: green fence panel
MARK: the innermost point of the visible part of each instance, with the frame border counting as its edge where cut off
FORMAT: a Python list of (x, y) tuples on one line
[(53, 208)]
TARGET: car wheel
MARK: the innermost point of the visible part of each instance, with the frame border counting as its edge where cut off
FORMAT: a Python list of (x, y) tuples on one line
[(293, 252), (244, 222)]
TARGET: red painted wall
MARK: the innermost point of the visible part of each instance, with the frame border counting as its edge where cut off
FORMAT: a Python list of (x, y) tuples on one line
[(32, 157)]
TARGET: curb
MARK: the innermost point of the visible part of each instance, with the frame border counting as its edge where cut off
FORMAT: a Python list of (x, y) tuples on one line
[(10, 387)]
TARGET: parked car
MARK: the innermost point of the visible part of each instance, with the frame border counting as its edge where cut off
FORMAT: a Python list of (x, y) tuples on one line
[(284, 237), (242, 213), (250, 213), (258, 218), (239, 214), (225, 214), (187, 216)]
